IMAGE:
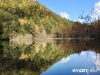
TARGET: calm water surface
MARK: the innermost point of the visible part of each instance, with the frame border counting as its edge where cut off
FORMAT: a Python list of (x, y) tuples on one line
[(50, 57), (85, 63)]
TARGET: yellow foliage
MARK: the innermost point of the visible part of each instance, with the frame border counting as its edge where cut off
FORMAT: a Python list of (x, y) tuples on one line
[(1, 4), (23, 56), (22, 21)]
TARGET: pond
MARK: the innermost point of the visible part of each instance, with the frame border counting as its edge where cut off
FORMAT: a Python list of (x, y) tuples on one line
[(50, 57)]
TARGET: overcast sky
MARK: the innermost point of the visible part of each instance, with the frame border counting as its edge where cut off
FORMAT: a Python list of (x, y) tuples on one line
[(71, 9)]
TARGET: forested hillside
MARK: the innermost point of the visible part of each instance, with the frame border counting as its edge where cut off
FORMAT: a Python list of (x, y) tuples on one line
[(29, 16)]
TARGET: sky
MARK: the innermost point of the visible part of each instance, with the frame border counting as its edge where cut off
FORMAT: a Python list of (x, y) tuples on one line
[(72, 9)]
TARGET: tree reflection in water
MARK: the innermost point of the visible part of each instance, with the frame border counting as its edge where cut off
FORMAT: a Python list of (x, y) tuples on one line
[(35, 58)]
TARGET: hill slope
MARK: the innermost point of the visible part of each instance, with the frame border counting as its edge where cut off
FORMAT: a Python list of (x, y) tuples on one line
[(23, 16)]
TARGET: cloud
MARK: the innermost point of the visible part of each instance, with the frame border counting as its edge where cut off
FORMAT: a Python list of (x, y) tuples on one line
[(64, 15), (94, 16), (96, 12), (97, 7), (81, 20), (65, 60)]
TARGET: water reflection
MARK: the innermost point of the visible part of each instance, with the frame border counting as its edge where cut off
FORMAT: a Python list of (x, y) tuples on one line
[(96, 60), (49, 57), (65, 60), (75, 65)]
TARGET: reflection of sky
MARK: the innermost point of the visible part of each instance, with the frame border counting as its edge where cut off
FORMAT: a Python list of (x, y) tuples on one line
[(83, 52), (65, 60), (96, 60), (84, 60)]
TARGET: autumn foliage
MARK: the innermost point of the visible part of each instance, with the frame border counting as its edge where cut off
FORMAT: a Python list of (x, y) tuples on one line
[(23, 16)]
